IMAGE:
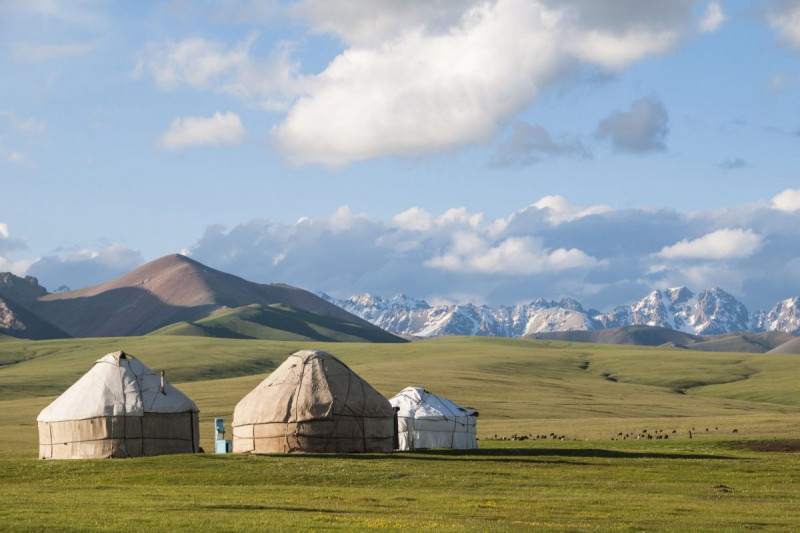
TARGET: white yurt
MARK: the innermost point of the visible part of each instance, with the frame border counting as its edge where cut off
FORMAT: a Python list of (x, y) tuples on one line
[(425, 420), (313, 403), (119, 408)]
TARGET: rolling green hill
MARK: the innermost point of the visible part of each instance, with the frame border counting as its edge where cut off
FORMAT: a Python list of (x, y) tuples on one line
[(519, 386), (593, 480), (277, 322)]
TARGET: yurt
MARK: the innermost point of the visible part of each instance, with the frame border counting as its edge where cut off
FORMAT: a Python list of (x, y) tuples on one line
[(425, 420), (119, 408), (313, 403)]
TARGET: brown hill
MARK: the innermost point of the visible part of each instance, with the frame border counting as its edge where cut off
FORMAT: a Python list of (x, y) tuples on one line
[(16, 321), (168, 290), (789, 348)]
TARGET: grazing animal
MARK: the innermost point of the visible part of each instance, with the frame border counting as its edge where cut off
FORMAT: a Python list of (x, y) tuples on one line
[(736, 431)]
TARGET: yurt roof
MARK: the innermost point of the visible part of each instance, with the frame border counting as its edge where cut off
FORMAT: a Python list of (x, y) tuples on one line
[(310, 385), (117, 385), (418, 403)]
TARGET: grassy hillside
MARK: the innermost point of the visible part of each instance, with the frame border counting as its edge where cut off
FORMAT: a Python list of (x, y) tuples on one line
[(580, 391), (518, 386), (277, 322)]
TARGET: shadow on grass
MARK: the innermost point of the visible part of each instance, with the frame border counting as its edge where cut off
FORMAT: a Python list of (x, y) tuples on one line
[(247, 507), (517, 454)]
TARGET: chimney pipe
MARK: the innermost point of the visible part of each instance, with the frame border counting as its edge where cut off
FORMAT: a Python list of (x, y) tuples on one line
[(162, 383)]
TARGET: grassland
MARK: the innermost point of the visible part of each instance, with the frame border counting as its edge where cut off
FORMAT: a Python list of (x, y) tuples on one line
[(587, 393)]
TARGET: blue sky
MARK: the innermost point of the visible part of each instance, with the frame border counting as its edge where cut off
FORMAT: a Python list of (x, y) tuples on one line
[(486, 151)]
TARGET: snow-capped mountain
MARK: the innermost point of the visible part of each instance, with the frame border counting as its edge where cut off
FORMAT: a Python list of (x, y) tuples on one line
[(784, 316), (407, 316), (711, 312)]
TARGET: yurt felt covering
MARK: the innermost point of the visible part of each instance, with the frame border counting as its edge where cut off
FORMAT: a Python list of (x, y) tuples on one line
[(118, 409), (425, 420), (313, 403)]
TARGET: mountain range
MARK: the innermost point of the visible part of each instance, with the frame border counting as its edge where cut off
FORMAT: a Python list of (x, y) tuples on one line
[(183, 296), (710, 312)]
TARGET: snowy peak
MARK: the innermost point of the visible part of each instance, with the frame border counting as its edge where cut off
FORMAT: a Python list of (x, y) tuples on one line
[(718, 312), (407, 316), (711, 312), (784, 316)]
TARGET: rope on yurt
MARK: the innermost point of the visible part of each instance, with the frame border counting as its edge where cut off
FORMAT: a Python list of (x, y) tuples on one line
[(363, 422), (294, 406), (345, 405)]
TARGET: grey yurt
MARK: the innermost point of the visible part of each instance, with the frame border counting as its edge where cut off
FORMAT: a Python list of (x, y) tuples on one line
[(119, 408), (313, 403), (425, 420)]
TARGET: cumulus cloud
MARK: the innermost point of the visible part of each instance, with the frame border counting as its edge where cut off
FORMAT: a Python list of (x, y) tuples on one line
[(713, 18), (212, 65), (528, 144), (420, 77), (413, 219), (8, 246), (84, 267), (551, 249), (721, 244), (558, 209), (512, 256), (788, 200), (423, 77), (200, 131), (784, 18), (641, 129)]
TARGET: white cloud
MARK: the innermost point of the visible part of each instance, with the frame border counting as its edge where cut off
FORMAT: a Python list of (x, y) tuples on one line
[(616, 51), (27, 52), (9, 245), (512, 256), (459, 216), (560, 210), (788, 200), (344, 219), (642, 129), (85, 267), (785, 20), (422, 77), (413, 219), (713, 18), (211, 65), (200, 131), (721, 244)]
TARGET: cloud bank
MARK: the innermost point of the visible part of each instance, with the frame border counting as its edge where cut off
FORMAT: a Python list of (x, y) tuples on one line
[(549, 249)]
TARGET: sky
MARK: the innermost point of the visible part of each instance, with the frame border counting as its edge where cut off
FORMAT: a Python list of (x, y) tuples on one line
[(490, 152)]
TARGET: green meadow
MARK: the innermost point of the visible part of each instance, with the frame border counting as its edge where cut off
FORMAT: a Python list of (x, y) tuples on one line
[(739, 469)]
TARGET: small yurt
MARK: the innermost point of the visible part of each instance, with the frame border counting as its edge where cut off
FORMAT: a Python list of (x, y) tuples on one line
[(425, 420), (313, 403), (119, 408)]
